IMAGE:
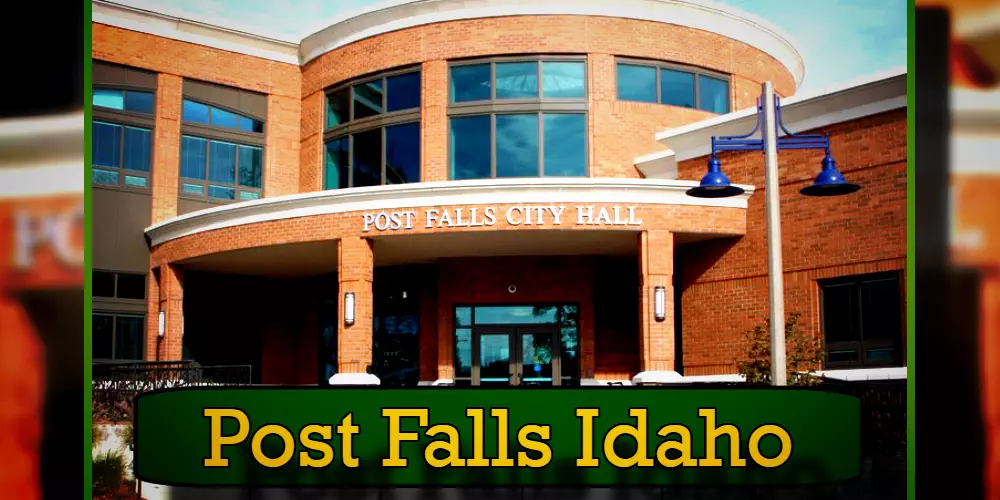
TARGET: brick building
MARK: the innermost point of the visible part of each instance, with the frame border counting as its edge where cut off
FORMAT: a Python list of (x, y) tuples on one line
[(480, 193)]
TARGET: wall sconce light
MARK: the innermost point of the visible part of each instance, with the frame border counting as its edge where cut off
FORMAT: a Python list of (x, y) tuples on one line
[(161, 326), (349, 308), (660, 303)]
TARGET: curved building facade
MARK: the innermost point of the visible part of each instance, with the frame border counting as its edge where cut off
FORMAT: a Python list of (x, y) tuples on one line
[(477, 193)]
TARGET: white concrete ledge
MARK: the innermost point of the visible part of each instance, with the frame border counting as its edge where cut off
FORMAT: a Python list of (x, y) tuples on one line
[(659, 165), (657, 377), (354, 379), (436, 194)]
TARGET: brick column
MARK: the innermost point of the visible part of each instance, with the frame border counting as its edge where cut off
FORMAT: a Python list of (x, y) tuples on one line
[(167, 146), (311, 144), (434, 121), (166, 293), (656, 268), (354, 342), (281, 152)]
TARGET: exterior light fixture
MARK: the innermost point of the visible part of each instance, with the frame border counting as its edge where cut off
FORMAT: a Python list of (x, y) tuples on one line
[(829, 182), (715, 184), (349, 308), (660, 303), (161, 324)]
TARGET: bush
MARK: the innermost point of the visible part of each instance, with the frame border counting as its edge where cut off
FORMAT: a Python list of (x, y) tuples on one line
[(802, 354), (97, 435), (108, 472)]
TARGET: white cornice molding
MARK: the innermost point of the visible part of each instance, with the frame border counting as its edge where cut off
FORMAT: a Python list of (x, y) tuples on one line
[(186, 30), (395, 15), (885, 91), (434, 194)]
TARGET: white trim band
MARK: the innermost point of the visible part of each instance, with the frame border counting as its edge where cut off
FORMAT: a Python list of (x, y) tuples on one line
[(443, 193)]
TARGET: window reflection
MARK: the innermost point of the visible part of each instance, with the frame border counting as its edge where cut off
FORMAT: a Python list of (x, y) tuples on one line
[(565, 144), (517, 145), (470, 83), (402, 153), (636, 83), (367, 99), (517, 80), (470, 147), (563, 79)]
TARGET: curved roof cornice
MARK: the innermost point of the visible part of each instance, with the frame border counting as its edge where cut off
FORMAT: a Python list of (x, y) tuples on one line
[(394, 15)]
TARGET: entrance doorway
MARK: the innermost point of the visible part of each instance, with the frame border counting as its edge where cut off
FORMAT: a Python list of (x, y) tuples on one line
[(522, 346)]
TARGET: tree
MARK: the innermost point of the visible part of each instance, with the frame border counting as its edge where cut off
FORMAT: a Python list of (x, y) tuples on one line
[(802, 354)]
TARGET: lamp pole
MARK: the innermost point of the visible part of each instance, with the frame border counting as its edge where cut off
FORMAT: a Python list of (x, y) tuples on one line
[(829, 182), (775, 271)]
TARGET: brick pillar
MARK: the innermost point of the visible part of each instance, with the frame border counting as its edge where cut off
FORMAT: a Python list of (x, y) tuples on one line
[(354, 343), (311, 153), (167, 146), (656, 267), (281, 152), (166, 294), (434, 121)]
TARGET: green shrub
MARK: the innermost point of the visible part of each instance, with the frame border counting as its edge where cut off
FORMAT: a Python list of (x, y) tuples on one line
[(802, 354), (97, 436), (108, 472)]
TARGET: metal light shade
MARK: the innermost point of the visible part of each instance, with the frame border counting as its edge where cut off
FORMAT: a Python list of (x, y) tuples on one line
[(830, 182), (714, 184)]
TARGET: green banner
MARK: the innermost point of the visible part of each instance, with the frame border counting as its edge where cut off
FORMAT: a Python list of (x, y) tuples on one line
[(610, 436)]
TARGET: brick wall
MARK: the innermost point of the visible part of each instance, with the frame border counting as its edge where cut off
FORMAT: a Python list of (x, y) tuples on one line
[(725, 281)]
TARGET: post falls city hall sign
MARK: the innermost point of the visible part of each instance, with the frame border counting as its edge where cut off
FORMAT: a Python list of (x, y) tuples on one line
[(519, 215)]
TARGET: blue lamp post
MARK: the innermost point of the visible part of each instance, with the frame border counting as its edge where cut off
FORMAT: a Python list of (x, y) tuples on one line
[(829, 182)]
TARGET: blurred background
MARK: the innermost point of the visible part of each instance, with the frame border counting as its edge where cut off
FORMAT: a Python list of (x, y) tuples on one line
[(974, 212), (42, 252)]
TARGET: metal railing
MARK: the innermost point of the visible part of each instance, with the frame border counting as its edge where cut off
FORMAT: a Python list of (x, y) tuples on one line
[(115, 385)]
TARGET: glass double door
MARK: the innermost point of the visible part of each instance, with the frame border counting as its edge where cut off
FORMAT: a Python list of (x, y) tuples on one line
[(515, 356)]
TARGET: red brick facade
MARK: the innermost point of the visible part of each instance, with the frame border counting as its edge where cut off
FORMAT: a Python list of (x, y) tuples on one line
[(717, 254)]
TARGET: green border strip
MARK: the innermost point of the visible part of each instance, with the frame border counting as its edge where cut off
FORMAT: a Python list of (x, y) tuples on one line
[(911, 357), (88, 255)]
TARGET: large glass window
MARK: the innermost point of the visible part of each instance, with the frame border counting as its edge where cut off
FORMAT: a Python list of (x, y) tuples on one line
[(203, 114), (518, 145), (121, 155), (118, 336), (396, 335), (124, 100), (386, 95), (518, 117), (209, 169), (862, 320), (373, 131), (672, 85)]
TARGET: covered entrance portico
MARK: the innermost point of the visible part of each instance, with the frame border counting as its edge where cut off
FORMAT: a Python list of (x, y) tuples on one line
[(480, 297)]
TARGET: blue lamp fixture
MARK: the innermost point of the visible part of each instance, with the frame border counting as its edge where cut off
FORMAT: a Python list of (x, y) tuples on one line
[(715, 184)]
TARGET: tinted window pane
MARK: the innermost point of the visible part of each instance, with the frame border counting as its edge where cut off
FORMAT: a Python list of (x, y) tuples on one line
[(193, 189), (222, 162), (517, 80), (103, 284), (195, 112), (131, 286), (128, 336), (636, 83), (838, 323), (677, 88), (563, 79), (463, 316), (516, 315), (337, 171), (101, 336), (193, 159), (338, 108), (517, 145), (470, 83), (106, 145), (367, 99), (140, 102), (565, 144), (249, 195), (367, 161), (880, 310), (223, 118), (137, 149), (221, 192), (109, 177), (402, 153), (132, 180), (463, 352), (713, 94), (403, 92), (470, 147), (250, 125), (251, 166), (107, 98)]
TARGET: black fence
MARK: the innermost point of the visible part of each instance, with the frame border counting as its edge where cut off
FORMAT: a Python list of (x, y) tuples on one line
[(115, 385)]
